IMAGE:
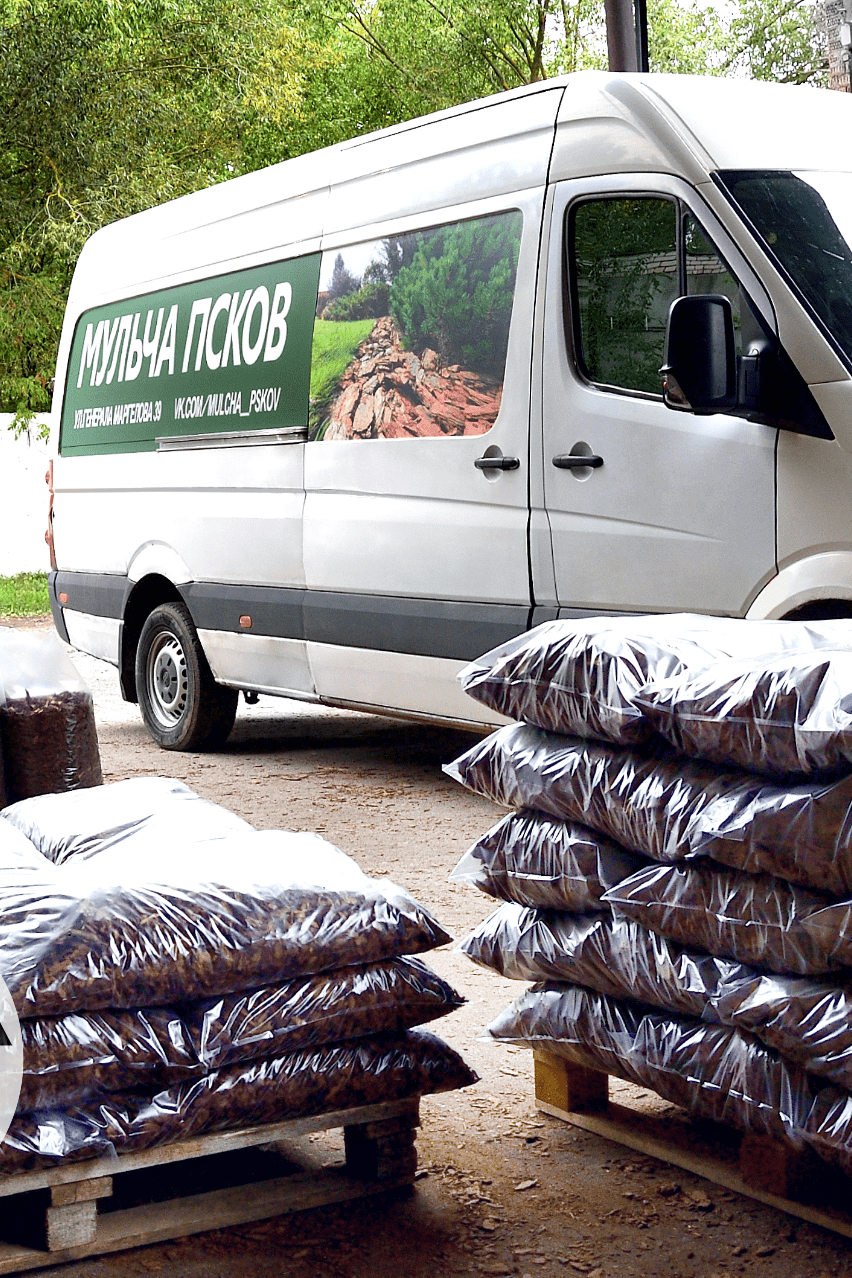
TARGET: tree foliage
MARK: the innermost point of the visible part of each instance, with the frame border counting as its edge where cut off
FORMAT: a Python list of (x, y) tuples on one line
[(342, 280), (370, 301), (456, 295), (110, 106), (776, 40)]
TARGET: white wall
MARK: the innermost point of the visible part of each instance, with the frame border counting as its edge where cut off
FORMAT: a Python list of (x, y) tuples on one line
[(23, 502)]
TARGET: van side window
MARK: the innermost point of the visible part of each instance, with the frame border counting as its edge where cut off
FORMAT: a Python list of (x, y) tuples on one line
[(624, 264), (412, 331), (628, 259)]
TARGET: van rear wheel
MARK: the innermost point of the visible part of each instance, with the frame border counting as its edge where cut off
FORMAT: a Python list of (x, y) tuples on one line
[(182, 705)]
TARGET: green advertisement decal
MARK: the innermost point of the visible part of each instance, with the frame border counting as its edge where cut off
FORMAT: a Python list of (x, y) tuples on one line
[(228, 353)]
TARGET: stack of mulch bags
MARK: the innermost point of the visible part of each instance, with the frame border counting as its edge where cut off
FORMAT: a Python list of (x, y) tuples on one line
[(676, 873), (177, 972)]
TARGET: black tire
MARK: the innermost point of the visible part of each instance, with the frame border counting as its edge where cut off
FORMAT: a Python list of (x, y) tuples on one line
[(183, 706)]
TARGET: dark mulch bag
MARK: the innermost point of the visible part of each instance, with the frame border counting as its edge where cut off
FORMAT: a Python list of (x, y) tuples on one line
[(788, 716), (646, 802), (312, 1081), (75, 1057), (3, 799), (801, 833), (807, 1020), (752, 918), (43, 1138), (581, 677), (711, 1070), (831, 930), (612, 956), (329, 1008), (136, 818), (657, 803), (538, 860), (526, 944), (829, 1128), (47, 718), (187, 922)]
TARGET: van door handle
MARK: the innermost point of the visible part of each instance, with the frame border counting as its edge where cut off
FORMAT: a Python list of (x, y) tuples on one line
[(576, 461), (497, 463)]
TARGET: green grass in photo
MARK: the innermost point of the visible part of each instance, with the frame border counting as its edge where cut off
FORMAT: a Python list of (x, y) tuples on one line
[(24, 595), (335, 343)]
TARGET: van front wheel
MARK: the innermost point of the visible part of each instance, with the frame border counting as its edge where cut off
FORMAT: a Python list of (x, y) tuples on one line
[(183, 706)]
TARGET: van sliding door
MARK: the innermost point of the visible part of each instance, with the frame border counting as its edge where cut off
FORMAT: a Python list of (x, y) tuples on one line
[(416, 469)]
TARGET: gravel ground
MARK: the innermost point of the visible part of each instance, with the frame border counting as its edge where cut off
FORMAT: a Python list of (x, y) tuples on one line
[(501, 1189)]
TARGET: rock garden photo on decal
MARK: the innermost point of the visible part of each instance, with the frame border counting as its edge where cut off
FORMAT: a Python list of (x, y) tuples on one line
[(411, 332)]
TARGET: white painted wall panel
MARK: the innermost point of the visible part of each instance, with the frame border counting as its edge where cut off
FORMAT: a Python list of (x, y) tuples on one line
[(23, 502)]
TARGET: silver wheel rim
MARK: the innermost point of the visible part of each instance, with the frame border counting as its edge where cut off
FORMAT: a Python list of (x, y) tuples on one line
[(166, 680)]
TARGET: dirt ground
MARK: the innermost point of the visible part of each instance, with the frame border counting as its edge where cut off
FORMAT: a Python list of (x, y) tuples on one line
[(502, 1189)]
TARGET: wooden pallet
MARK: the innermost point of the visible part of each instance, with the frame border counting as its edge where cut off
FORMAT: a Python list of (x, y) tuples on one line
[(771, 1171), (70, 1212)]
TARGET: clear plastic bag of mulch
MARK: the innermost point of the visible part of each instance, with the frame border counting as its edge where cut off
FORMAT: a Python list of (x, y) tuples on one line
[(47, 718), (657, 803), (787, 717), (137, 818), (71, 1058), (644, 801), (191, 921), (537, 860), (829, 1128), (613, 956), (313, 1080), (806, 1019), (710, 1070), (316, 1080), (43, 1138), (78, 1057), (581, 677), (311, 1010), (753, 918)]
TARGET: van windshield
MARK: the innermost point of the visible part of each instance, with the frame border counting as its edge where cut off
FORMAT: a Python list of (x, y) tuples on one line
[(805, 222)]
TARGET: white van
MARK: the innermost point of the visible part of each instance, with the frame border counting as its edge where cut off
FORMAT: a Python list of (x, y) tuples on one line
[(332, 429)]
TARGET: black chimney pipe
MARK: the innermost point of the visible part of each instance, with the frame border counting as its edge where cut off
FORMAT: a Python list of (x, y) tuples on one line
[(627, 34)]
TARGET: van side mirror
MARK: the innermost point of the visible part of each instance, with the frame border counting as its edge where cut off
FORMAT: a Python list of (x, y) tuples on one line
[(700, 369)]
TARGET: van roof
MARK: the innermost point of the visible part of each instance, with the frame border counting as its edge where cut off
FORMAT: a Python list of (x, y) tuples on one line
[(738, 124), (746, 124), (605, 123)]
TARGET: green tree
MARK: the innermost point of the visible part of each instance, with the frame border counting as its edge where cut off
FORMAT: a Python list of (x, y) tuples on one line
[(777, 40), (685, 41), (342, 280), (108, 107), (407, 57), (404, 57)]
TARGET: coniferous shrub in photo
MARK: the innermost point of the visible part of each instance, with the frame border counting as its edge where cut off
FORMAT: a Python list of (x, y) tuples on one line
[(456, 295)]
